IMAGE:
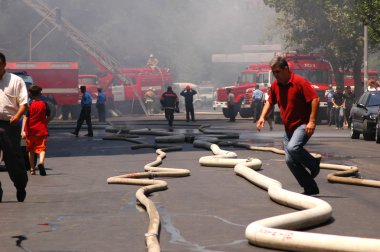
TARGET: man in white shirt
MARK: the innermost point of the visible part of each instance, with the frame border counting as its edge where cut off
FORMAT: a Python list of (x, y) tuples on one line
[(13, 104)]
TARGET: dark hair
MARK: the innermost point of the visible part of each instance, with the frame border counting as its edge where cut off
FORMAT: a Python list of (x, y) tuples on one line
[(83, 88), (35, 90), (170, 88), (279, 61), (2, 58)]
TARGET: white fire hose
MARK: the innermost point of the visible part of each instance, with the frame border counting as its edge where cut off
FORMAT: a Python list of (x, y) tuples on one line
[(273, 232), (150, 186)]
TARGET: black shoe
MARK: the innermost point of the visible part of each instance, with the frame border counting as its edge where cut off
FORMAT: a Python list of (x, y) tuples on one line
[(1, 193), (193, 121), (21, 194), (42, 170), (74, 133), (316, 172), (89, 135), (311, 191)]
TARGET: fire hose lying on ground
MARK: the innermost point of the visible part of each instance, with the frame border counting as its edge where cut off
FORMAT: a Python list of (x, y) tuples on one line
[(274, 232)]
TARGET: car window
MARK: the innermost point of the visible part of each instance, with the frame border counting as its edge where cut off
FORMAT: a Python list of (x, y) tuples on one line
[(362, 99), (374, 99)]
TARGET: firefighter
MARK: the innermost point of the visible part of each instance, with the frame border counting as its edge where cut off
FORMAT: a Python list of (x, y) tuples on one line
[(149, 99), (188, 93), (169, 102), (152, 62)]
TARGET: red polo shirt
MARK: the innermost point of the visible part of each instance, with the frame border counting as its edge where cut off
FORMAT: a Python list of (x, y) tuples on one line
[(294, 100)]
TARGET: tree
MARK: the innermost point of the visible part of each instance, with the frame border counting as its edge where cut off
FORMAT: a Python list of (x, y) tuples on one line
[(332, 26)]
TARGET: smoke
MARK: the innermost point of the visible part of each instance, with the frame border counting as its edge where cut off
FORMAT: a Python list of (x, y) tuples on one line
[(181, 34)]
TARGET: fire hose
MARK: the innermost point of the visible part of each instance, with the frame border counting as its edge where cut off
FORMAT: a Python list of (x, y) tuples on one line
[(277, 232), (151, 185)]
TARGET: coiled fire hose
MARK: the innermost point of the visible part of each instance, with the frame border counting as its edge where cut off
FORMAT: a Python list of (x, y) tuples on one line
[(151, 185), (273, 232)]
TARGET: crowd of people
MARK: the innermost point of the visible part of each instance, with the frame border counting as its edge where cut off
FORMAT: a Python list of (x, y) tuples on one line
[(339, 104)]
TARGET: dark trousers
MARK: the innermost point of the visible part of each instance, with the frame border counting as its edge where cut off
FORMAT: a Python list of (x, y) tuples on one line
[(10, 137), (339, 117), (257, 106), (101, 112), (85, 114), (330, 113), (231, 112), (189, 111), (169, 115)]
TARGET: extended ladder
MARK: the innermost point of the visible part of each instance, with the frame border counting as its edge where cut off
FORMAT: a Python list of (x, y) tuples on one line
[(84, 42)]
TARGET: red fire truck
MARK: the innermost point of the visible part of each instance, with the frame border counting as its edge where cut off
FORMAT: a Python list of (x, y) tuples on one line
[(349, 77), (248, 78), (59, 82), (123, 97)]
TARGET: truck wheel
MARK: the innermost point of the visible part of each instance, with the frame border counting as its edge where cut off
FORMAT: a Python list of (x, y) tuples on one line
[(245, 112)]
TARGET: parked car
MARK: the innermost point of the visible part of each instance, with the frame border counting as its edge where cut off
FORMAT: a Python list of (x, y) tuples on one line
[(363, 116), (377, 135)]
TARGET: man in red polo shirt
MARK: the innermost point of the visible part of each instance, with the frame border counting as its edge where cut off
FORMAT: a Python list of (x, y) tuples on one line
[(298, 103)]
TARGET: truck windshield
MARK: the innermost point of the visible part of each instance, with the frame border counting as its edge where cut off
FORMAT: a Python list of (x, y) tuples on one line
[(247, 78), (88, 81), (314, 76)]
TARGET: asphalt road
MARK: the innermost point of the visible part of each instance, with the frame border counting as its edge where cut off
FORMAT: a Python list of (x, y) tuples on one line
[(74, 209)]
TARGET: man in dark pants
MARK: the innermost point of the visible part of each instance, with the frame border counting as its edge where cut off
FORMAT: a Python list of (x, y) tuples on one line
[(188, 93), (85, 113), (13, 104), (298, 103), (231, 105), (101, 105), (169, 101)]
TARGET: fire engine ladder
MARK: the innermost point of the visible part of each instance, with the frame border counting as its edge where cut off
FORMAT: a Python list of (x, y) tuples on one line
[(84, 42)]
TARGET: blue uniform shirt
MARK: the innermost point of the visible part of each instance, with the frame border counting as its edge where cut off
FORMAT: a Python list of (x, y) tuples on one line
[(86, 99), (101, 99)]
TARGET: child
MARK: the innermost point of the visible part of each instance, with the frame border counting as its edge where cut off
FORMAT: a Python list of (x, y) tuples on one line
[(34, 129)]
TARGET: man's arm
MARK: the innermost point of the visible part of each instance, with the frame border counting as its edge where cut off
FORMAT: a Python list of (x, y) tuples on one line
[(260, 123), (21, 110), (310, 127)]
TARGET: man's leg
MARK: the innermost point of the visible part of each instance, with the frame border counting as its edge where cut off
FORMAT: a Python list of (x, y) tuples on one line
[(80, 121), (298, 159), (10, 144), (192, 112), (88, 121)]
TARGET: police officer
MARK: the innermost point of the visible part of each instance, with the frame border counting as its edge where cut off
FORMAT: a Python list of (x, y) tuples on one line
[(257, 103), (85, 113), (188, 93), (169, 101), (101, 105)]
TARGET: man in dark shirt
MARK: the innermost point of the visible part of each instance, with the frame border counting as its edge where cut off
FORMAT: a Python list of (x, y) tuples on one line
[(338, 105), (188, 93), (298, 103), (169, 101), (349, 99)]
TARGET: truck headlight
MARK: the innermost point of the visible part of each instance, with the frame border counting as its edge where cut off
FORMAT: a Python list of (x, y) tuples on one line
[(372, 116)]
